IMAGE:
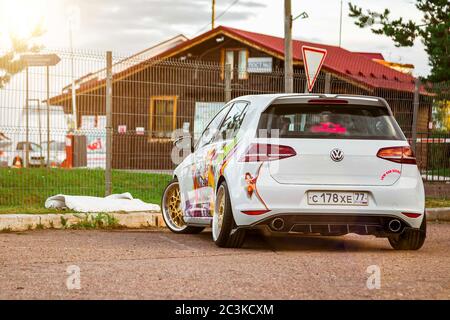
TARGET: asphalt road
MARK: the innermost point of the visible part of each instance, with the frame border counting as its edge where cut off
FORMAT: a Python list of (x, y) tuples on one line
[(156, 264)]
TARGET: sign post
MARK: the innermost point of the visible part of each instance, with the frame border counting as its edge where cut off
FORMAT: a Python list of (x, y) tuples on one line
[(313, 59), (39, 60)]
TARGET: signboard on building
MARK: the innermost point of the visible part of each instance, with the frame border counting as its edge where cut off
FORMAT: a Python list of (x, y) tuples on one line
[(260, 65), (140, 131), (122, 129)]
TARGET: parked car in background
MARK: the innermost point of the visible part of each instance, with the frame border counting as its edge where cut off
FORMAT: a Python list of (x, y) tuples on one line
[(35, 153), (308, 164), (15, 157)]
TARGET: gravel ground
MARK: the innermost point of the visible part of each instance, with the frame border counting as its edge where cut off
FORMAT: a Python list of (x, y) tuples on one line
[(156, 264)]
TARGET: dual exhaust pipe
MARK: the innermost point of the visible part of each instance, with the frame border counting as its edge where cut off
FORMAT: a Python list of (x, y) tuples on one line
[(394, 225)]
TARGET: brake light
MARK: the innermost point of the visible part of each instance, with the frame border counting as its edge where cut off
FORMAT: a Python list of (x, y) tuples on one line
[(258, 152), (327, 101), (254, 212), (411, 214), (397, 154)]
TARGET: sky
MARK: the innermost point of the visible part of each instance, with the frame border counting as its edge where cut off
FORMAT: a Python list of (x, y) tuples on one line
[(128, 26)]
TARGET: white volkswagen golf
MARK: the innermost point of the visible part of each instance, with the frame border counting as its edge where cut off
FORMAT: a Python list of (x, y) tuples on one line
[(299, 164)]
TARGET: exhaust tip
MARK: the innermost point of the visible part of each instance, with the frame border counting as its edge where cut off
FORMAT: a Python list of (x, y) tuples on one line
[(277, 224), (394, 225)]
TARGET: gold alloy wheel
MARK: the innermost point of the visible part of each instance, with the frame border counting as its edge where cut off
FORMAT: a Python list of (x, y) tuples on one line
[(172, 206), (219, 212)]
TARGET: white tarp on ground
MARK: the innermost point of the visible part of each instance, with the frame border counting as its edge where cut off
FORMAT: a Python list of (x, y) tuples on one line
[(112, 203)]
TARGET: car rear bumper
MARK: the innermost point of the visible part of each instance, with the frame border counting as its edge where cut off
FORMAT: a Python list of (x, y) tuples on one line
[(405, 196), (334, 225)]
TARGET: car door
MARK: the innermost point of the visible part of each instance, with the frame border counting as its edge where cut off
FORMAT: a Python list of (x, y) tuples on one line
[(195, 178), (217, 153)]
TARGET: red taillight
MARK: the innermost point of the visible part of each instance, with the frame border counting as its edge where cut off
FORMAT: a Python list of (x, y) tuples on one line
[(397, 154), (254, 212), (412, 215), (258, 152)]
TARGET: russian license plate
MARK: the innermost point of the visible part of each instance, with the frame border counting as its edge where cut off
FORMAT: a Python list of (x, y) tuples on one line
[(345, 198)]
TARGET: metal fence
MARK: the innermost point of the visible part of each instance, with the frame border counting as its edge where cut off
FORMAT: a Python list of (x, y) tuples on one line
[(62, 132)]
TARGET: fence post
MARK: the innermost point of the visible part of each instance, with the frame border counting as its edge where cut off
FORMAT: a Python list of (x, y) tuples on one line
[(415, 114), (227, 77), (47, 75), (27, 120), (327, 83), (109, 129)]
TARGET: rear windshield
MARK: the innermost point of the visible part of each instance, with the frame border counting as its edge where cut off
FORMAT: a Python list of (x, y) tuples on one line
[(328, 122)]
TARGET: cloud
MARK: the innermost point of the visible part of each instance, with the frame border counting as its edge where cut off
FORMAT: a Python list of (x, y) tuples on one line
[(132, 22)]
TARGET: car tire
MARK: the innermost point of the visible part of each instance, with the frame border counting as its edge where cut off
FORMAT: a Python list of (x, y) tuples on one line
[(173, 213), (410, 239), (225, 231)]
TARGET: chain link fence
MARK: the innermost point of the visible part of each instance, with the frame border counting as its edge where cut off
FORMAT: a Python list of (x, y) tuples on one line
[(82, 128)]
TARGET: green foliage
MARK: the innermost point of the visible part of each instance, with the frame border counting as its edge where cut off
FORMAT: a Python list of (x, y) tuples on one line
[(437, 202), (95, 221), (64, 222), (434, 31), (10, 63)]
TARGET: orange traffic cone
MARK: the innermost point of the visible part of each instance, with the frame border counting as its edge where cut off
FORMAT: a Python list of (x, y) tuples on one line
[(17, 162)]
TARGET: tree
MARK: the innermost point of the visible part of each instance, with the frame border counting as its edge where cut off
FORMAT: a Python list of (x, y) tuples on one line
[(10, 63), (434, 31)]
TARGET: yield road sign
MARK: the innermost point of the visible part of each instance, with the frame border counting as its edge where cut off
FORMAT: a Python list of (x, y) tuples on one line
[(40, 60), (313, 59)]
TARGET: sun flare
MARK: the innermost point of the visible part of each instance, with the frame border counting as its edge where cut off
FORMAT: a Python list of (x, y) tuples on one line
[(20, 17)]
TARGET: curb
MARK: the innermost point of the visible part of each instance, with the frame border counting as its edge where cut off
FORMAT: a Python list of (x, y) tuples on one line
[(132, 220), (438, 214), (23, 222)]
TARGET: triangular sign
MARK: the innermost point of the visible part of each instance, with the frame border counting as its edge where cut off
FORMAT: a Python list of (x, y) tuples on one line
[(313, 60)]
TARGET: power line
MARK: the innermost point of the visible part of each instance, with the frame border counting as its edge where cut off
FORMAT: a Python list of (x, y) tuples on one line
[(228, 8), (218, 16)]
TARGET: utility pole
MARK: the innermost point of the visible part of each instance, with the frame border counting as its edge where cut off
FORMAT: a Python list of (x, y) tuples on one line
[(288, 62), (213, 15), (340, 27)]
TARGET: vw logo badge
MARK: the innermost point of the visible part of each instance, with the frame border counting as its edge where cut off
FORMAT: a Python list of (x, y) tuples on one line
[(337, 155)]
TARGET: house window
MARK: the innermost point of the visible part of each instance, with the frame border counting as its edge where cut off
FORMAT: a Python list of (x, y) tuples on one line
[(229, 59), (242, 66), (163, 111), (231, 56)]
